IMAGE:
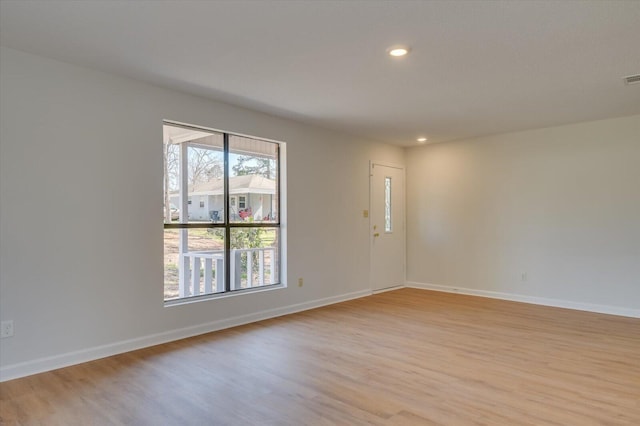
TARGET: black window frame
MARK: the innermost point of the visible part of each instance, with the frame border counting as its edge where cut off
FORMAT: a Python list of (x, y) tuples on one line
[(227, 224)]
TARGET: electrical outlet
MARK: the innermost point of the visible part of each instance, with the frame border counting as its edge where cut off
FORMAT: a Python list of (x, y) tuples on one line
[(6, 329), (300, 282)]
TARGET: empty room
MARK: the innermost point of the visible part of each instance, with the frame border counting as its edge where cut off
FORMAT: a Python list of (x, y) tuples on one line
[(319, 212)]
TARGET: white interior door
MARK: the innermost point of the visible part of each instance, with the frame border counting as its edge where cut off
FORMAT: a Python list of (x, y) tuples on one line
[(387, 229)]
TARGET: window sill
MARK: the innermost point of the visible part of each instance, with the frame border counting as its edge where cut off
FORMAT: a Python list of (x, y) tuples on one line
[(218, 296)]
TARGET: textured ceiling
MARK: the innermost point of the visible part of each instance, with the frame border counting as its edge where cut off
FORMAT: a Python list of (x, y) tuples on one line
[(475, 68)]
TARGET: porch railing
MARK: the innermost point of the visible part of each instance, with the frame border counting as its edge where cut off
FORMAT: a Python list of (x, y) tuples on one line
[(202, 272)]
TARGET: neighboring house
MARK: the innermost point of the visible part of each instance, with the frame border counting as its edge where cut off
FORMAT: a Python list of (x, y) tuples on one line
[(250, 196)]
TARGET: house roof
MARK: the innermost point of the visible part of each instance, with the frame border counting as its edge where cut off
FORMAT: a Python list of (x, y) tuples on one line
[(237, 185)]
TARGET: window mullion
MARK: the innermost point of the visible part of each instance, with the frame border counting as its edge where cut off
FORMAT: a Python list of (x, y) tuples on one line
[(227, 229)]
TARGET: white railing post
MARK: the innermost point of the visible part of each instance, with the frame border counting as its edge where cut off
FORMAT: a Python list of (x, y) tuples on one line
[(195, 276), (272, 265), (219, 275), (249, 268), (236, 269), (261, 267), (208, 275), (183, 288)]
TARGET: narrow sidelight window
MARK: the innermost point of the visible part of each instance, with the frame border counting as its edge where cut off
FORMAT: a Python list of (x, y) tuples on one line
[(387, 204)]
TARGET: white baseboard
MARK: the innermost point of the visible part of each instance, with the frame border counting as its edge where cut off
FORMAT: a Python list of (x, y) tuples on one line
[(558, 303), (22, 369), (384, 290)]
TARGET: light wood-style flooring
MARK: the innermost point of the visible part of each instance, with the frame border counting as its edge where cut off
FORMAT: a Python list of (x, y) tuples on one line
[(406, 357)]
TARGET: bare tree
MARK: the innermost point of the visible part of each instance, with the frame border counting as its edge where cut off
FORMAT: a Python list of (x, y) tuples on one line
[(204, 165)]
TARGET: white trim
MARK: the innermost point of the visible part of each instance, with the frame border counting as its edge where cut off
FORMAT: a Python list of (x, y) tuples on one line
[(282, 213), (224, 295), (557, 303), (386, 164), (22, 369), (384, 290), (212, 129)]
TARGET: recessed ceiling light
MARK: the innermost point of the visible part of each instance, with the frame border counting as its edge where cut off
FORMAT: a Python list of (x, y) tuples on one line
[(422, 140), (398, 51)]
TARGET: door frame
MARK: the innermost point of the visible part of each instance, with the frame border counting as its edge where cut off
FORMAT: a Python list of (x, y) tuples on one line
[(404, 224)]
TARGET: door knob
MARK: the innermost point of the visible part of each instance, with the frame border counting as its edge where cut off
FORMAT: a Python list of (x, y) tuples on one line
[(376, 235)]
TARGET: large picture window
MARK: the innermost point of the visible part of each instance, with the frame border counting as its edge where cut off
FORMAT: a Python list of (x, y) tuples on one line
[(221, 212)]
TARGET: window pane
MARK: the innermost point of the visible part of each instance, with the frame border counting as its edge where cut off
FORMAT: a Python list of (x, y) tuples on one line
[(197, 189), (253, 180), (193, 262), (254, 257), (206, 184), (171, 210), (194, 175), (387, 204)]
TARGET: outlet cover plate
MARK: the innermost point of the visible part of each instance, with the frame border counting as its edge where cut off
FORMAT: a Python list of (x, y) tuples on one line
[(6, 329)]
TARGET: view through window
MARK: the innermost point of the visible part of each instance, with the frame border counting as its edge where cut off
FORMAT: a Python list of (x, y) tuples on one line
[(221, 212)]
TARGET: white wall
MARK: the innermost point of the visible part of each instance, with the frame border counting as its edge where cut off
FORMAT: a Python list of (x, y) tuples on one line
[(560, 204), (86, 270)]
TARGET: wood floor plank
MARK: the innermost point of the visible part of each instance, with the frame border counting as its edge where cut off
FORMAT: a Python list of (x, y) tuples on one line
[(406, 357)]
